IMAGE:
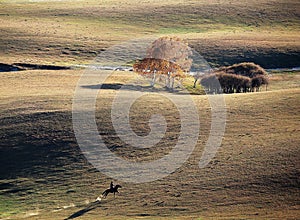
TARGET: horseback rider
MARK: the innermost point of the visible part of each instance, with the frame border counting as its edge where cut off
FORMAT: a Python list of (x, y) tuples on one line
[(112, 189), (111, 186)]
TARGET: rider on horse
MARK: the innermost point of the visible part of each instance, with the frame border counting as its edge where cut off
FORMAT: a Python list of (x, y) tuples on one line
[(111, 187)]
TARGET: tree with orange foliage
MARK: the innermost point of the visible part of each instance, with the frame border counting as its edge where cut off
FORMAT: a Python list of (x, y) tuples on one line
[(153, 67), (167, 57)]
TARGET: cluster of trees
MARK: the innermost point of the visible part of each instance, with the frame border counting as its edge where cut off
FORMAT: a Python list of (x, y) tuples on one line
[(167, 60), (245, 69), (243, 77)]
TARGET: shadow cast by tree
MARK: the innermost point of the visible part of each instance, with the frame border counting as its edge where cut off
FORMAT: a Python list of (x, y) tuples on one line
[(113, 86), (132, 87), (119, 86)]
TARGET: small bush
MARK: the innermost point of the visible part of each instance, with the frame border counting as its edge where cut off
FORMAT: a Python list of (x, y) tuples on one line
[(258, 81)]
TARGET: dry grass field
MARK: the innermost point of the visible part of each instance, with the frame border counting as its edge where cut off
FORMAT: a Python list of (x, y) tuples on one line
[(43, 173), (224, 32)]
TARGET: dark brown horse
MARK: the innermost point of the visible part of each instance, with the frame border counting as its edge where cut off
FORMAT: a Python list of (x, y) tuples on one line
[(113, 190)]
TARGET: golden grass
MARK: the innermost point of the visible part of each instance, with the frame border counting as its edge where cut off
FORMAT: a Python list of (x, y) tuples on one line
[(254, 174), (63, 33)]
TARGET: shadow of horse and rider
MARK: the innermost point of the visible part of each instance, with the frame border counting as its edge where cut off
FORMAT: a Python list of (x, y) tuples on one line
[(96, 204)]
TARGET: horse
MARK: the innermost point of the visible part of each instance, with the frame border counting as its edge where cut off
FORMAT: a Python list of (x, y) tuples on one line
[(111, 190)]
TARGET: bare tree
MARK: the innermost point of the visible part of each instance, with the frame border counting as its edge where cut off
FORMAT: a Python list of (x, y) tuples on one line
[(172, 49), (168, 58)]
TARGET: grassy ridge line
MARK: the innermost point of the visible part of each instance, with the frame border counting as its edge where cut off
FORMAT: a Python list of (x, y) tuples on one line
[(187, 16), (60, 32), (168, 13)]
